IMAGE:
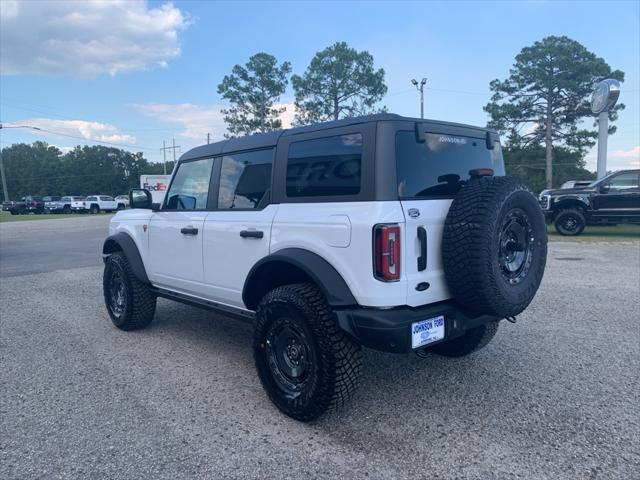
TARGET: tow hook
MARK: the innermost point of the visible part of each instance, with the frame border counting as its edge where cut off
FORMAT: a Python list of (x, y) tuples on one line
[(510, 319)]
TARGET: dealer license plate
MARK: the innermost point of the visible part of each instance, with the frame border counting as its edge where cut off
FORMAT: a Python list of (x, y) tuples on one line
[(427, 331)]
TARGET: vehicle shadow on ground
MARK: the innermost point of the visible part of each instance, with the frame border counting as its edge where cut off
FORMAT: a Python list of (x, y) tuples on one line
[(390, 383)]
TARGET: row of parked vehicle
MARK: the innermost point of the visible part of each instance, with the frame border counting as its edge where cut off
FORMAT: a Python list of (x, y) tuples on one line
[(67, 204)]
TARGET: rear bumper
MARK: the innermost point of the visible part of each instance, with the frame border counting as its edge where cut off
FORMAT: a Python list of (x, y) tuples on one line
[(389, 330)]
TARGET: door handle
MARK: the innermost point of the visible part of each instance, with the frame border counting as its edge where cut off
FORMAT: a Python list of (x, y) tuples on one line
[(189, 231), (422, 259), (251, 234)]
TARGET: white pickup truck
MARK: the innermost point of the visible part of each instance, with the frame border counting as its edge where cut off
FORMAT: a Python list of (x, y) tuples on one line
[(96, 204)]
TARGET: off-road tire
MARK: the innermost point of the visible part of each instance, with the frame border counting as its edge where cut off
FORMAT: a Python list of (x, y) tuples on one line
[(337, 360), (473, 246), (140, 303), (573, 215), (472, 341), (66, 210), (121, 206), (94, 209)]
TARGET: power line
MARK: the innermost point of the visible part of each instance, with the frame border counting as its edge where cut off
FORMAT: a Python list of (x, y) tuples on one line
[(88, 139)]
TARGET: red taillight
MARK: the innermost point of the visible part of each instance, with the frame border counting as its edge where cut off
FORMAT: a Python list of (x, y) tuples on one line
[(386, 252)]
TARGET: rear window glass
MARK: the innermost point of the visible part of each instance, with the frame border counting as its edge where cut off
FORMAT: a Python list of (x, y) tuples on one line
[(325, 166), (439, 166)]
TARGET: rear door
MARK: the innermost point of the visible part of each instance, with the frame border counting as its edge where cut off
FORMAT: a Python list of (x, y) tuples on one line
[(176, 231), (430, 171), (237, 232)]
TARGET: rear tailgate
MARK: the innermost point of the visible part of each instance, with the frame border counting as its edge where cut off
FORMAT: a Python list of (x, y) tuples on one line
[(422, 240), (431, 168)]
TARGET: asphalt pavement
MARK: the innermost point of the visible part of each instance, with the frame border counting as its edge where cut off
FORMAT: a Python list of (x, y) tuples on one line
[(555, 396), (38, 246)]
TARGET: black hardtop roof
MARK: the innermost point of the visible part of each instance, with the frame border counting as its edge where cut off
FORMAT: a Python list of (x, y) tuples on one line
[(270, 139)]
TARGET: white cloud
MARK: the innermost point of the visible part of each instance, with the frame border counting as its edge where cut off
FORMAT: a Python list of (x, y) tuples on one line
[(102, 132), (198, 120), (617, 159), (87, 38)]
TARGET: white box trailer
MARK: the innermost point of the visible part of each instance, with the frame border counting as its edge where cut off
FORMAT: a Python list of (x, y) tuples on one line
[(156, 184)]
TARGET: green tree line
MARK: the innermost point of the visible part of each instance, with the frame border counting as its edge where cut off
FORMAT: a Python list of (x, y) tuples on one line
[(42, 169)]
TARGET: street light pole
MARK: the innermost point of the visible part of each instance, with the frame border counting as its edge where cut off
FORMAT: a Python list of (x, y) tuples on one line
[(420, 88), (4, 179)]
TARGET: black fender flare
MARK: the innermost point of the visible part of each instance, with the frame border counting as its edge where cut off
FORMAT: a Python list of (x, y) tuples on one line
[(321, 272), (122, 241)]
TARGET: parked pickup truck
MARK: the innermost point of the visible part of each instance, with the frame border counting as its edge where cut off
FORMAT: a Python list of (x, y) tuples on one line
[(611, 200), (96, 204), (24, 206), (63, 205)]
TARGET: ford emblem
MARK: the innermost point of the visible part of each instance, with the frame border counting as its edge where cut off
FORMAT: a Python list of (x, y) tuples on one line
[(414, 212)]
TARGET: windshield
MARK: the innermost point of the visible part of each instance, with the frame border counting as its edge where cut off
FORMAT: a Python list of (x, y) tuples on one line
[(439, 166)]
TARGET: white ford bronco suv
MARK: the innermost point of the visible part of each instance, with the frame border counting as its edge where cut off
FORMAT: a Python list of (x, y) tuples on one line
[(382, 231)]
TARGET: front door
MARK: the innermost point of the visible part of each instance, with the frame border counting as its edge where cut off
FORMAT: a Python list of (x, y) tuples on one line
[(237, 234), (176, 231), (619, 196)]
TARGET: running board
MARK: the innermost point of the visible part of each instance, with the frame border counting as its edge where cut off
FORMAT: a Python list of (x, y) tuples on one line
[(217, 307)]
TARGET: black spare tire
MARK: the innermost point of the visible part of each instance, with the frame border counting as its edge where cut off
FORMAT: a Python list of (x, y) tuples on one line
[(494, 246)]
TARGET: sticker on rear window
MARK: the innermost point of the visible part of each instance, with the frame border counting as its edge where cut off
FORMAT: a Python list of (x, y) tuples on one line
[(458, 140)]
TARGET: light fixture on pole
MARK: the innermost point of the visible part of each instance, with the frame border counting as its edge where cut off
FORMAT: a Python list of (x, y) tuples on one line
[(603, 99), (420, 88)]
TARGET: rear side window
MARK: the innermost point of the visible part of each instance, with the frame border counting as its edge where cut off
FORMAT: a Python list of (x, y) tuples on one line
[(439, 166), (325, 166), (245, 180), (106, 199), (190, 187)]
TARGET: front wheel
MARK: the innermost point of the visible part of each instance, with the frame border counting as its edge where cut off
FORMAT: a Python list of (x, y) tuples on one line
[(130, 303), (570, 222), (305, 362)]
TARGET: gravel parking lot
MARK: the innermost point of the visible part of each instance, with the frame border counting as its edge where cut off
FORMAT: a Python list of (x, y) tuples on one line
[(555, 396)]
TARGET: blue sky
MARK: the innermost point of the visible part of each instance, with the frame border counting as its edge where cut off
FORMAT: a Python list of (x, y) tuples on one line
[(136, 73)]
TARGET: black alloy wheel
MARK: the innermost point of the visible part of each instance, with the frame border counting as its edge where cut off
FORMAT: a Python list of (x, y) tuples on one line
[(515, 246)]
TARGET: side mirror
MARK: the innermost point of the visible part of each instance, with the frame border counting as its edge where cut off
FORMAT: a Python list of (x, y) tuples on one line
[(604, 188), (140, 198)]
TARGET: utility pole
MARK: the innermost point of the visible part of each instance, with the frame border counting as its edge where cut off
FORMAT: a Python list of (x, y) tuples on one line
[(164, 156), (4, 179), (164, 153), (420, 88), (208, 138)]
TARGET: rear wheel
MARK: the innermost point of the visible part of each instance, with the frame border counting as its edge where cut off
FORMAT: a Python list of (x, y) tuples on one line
[(570, 222), (94, 209), (471, 341), (121, 206), (305, 362), (130, 303)]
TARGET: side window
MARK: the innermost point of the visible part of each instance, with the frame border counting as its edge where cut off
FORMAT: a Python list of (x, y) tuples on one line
[(245, 180), (325, 166), (106, 199), (623, 182), (92, 199), (190, 187)]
